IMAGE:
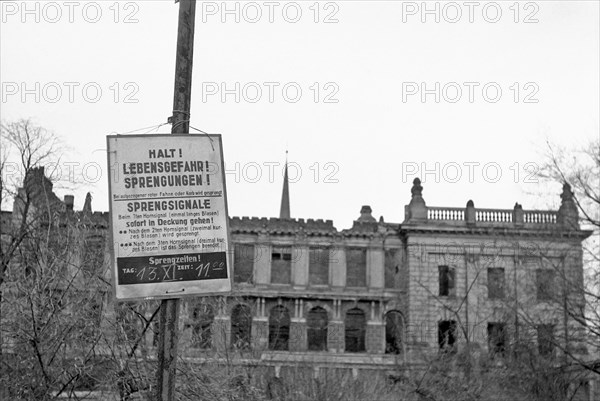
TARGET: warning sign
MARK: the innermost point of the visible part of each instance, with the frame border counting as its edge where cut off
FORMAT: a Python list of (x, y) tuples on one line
[(169, 217)]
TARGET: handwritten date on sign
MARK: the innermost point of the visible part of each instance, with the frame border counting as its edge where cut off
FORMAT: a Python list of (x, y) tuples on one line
[(170, 268)]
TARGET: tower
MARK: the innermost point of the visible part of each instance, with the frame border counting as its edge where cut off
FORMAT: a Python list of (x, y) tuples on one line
[(284, 211)]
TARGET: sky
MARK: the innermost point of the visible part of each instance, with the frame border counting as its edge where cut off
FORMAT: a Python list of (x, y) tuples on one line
[(364, 95)]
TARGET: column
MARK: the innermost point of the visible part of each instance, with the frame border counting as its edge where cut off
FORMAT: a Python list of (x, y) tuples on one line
[(374, 341), (260, 326), (335, 329), (262, 261), (221, 327), (298, 327)]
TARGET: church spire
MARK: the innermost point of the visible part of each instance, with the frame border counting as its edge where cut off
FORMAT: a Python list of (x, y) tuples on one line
[(284, 212)]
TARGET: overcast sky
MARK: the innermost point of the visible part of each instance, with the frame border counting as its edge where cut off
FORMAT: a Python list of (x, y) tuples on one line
[(339, 84)]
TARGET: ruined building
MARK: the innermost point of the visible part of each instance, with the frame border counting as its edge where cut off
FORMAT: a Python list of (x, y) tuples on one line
[(383, 296), (360, 297)]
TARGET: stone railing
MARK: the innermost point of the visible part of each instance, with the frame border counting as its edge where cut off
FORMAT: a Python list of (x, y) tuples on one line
[(494, 215), (539, 217), (446, 213), (472, 216), (566, 218)]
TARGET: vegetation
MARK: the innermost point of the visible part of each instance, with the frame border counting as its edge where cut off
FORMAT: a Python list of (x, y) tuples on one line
[(63, 337)]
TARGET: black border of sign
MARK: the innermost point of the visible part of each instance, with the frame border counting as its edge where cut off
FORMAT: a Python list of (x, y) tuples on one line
[(113, 259)]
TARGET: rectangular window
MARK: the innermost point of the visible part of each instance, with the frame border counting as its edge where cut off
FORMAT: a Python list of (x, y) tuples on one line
[(496, 339), (544, 279), (545, 336), (391, 268), (496, 282), (356, 267), (354, 330), (281, 265), (243, 264), (447, 335), (446, 280), (318, 266)]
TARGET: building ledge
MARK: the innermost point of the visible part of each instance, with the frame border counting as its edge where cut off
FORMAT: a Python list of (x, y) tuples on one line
[(330, 293)]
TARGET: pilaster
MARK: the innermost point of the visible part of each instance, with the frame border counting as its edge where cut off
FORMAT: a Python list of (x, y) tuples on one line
[(337, 267), (375, 267), (262, 261), (300, 266)]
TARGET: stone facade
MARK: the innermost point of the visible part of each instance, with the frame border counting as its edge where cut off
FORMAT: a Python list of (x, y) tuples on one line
[(383, 295), (378, 269)]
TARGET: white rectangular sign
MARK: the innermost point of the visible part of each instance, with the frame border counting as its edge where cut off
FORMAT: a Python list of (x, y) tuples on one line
[(169, 219)]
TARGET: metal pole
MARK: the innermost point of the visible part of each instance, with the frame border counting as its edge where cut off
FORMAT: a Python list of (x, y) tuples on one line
[(169, 309)]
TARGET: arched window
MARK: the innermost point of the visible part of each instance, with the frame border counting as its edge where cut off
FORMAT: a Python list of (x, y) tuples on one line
[(279, 328), (393, 332), (316, 329), (241, 326), (202, 317), (355, 330)]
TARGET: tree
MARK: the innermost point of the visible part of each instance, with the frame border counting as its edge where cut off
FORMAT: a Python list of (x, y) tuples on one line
[(494, 337), (25, 148), (59, 333), (579, 169), (548, 326), (49, 324)]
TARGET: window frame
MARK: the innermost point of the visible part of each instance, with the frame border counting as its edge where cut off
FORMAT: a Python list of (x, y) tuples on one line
[(446, 281), (318, 264), (317, 314), (545, 286), (497, 339), (499, 292), (279, 332), (447, 338), (545, 343), (280, 259), (394, 341), (361, 275), (357, 334)]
